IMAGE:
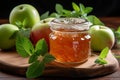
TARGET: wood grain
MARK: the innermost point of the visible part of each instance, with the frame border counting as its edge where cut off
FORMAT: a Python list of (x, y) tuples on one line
[(13, 63)]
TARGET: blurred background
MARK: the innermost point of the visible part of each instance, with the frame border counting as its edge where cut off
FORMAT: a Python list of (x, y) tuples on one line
[(100, 7)]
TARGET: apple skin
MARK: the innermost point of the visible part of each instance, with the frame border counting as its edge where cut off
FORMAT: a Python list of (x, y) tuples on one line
[(41, 30), (101, 37), (24, 13), (6, 31)]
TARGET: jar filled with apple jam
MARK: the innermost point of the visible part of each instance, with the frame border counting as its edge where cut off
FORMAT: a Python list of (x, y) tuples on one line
[(70, 40)]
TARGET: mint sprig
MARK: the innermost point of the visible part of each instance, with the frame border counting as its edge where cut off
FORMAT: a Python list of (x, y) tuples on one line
[(101, 59), (79, 11), (117, 35), (21, 24), (23, 29), (38, 55)]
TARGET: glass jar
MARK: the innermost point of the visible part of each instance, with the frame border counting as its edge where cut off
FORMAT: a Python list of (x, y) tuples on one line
[(70, 40)]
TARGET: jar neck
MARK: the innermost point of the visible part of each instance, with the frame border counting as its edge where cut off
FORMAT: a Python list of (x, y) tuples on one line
[(68, 32)]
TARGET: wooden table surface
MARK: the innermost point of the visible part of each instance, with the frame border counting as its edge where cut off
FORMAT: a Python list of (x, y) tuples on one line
[(113, 22)]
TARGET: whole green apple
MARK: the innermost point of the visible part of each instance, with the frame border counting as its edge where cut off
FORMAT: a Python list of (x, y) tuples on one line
[(101, 37), (25, 15), (41, 30), (6, 36)]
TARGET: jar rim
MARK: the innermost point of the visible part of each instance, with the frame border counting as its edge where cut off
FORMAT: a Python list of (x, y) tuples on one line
[(69, 21), (70, 24)]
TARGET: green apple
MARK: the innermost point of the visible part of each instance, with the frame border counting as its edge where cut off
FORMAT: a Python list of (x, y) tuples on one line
[(6, 36), (25, 14), (101, 37), (41, 30)]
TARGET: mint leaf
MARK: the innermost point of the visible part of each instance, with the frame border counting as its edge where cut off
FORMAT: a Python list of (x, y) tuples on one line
[(93, 19), (48, 58), (75, 7), (66, 13), (59, 8), (53, 14), (101, 59), (41, 46), (24, 32), (44, 15), (117, 33), (36, 69), (24, 23), (82, 9), (117, 36), (88, 10), (24, 46), (19, 24), (56, 15), (75, 14), (33, 58), (104, 53), (118, 29)]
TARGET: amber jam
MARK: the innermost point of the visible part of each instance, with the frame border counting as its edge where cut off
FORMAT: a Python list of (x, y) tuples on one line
[(70, 40)]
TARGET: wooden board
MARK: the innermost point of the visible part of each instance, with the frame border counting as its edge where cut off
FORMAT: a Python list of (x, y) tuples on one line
[(12, 63)]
